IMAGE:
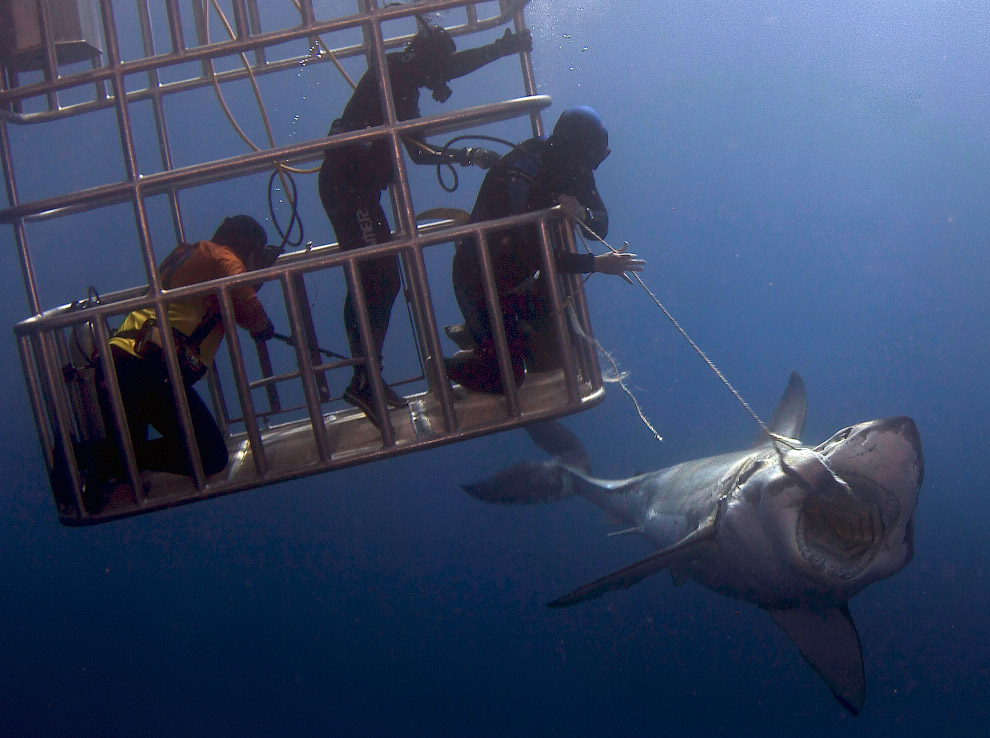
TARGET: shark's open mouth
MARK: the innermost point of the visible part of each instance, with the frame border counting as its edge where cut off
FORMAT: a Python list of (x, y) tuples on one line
[(839, 536), (838, 532)]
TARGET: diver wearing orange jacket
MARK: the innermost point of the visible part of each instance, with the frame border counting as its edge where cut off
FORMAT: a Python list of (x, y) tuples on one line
[(237, 246)]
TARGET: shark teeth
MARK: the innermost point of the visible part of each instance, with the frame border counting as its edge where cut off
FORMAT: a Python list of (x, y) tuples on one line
[(839, 538)]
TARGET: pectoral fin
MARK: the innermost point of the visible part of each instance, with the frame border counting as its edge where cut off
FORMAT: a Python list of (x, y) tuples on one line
[(635, 573), (829, 642)]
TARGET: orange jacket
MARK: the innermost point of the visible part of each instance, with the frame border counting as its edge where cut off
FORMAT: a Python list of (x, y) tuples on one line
[(191, 264)]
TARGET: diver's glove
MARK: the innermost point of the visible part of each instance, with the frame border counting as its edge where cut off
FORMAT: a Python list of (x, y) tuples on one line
[(265, 334), (482, 158), (513, 43)]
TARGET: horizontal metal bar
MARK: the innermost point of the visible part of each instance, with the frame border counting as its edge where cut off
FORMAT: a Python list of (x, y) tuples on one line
[(68, 315), (251, 43), (259, 161)]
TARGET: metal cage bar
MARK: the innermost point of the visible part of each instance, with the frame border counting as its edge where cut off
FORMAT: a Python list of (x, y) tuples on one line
[(286, 440)]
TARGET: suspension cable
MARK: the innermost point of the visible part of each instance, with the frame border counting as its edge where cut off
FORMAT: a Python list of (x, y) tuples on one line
[(282, 170)]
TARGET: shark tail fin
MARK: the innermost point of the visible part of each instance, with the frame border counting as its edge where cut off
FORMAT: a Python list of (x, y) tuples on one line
[(829, 642), (524, 483), (532, 482), (555, 440)]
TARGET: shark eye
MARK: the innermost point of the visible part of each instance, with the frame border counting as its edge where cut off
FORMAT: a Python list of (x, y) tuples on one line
[(837, 438)]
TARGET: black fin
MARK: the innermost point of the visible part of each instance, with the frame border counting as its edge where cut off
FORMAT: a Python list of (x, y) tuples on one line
[(830, 643), (555, 440), (524, 483), (788, 419)]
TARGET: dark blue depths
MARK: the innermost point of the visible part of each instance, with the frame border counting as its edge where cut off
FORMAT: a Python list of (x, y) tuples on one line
[(809, 185)]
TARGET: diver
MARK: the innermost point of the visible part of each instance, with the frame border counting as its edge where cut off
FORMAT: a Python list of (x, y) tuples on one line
[(353, 177), (238, 245), (537, 174)]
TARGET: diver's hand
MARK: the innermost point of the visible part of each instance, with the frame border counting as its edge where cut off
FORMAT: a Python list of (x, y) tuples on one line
[(513, 43), (572, 208), (482, 158), (618, 263)]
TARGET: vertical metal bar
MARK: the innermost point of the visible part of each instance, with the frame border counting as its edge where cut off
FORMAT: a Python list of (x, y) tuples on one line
[(241, 382), (127, 145), (305, 369), (199, 20), (254, 27), (265, 362), (309, 334), (20, 234), (61, 359), (36, 398), (62, 416), (50, 63), (147, 36), (125, 446), (561, 329), (306, 12), (436, 371), (372, 366), (376, 60), (154, 88), (175, 26), (529, 76), (590, 369), (221, 415), (241, 23), (497, 324), (100, 85), (179, 394), (307, 18)]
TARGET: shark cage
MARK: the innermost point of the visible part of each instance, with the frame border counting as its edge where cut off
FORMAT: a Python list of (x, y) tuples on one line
[(149, 74)]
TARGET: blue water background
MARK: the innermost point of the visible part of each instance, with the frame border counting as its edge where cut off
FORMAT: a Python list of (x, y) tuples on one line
[(810, 184)]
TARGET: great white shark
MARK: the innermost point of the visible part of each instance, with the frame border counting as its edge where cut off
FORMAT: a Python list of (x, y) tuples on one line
[(796, 530)]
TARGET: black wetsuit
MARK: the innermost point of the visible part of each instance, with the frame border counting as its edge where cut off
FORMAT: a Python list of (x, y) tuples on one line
[(353, 177), (527, 179), (351, 182)]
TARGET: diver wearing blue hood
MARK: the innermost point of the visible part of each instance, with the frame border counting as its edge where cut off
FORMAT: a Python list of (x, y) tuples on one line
[(352, 177), (537, 174)]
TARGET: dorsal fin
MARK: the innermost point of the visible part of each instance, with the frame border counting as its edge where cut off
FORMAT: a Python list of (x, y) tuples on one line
[(788, 418)]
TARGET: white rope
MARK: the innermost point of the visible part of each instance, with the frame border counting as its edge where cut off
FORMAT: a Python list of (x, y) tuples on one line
[(774, 438)]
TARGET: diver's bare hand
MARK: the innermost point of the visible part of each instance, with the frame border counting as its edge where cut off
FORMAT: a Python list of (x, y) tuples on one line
[(618, 263)]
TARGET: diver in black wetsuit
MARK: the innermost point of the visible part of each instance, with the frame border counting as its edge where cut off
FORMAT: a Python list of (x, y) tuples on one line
[(352, 177), (537, 174)]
